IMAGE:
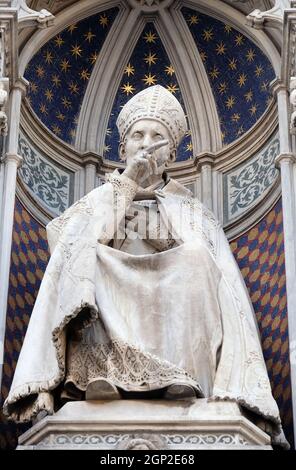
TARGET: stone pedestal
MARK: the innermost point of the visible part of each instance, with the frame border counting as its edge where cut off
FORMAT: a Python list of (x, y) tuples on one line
[(146, 424)]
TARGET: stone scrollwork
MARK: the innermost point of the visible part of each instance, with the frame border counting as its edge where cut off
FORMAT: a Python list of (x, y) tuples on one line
[(246, 184), (49, 184), (293, 105), (3, 116), (43, 18)]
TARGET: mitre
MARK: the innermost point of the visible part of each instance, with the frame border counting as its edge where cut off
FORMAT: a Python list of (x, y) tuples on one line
[(154, 103)]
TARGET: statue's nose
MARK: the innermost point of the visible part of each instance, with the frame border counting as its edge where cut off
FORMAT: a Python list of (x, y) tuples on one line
[(146, 142)]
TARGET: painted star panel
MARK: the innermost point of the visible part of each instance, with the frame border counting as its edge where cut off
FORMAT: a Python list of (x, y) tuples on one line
[(238, 71), (58, 74)]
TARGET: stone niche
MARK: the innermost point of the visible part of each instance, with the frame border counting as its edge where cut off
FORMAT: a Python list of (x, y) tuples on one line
[(146, 425)]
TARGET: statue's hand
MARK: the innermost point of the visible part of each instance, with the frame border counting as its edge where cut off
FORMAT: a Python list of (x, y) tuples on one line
[(141, 167), (144, 163)]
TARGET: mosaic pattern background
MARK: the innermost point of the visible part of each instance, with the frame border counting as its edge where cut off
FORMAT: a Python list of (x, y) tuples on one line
[(259, 253), (238, 71), (260, 256), (59, 73), (28, 262), (149, 65)]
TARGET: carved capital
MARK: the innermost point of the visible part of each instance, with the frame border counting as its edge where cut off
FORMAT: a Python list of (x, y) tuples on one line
[(13, 157), (90, 158), (22, 85), (284, 158), (205, 159)]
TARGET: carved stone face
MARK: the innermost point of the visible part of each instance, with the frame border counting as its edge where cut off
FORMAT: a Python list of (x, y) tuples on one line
[(141, 135)]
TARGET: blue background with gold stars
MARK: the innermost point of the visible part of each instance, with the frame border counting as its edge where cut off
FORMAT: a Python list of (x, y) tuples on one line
[(59, 73), (238, 71)]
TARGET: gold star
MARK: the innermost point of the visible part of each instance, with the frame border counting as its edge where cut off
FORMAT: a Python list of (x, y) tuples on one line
[(43, 109), (227, 28), (76, 119), (40, 71), (249, 96), (259, 70), (107, 148), (127, 88), (33, 87), (56, 129), (250, 55), (150, 59), (84, 74), (193, 19), (239, 39), (264, 86), (222, 88), (169, 70), (188, 133), (235, 117), (29, 101), (48, 57), (56, 80), (242, 79), (49, 94), (76, 51), (65, 65), (214, 72), (189, 147), (89, 36), (149, 79), (232, 64), (150, 37), (108, 131), (59, 41), (129, 70), (269, 100), (93, 57), (72, 133), (73, 88), (60, 116), (240, 131), (253, 109), (203, 56), (72, 28), (208, 34), (222, 135), (221, 48), (172, 88), (66, 103), (230, 102), (103, 20)]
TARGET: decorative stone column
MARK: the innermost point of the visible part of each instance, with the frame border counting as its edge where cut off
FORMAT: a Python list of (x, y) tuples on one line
[(92, 164), (205, 164), (286, 164), (11, 163)]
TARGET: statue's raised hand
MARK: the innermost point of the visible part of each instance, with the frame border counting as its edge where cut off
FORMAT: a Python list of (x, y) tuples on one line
[(144, 163)]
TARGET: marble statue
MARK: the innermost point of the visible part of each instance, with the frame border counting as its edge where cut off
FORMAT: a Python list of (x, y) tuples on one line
[(142, 296)]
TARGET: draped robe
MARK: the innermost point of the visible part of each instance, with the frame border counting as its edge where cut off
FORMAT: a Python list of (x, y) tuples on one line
[(182, 315)]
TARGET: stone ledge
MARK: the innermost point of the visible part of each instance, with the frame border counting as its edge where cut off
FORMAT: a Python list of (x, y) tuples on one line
[(146, 424)]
